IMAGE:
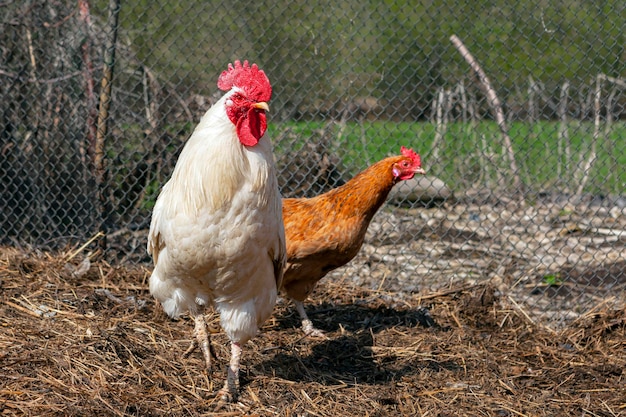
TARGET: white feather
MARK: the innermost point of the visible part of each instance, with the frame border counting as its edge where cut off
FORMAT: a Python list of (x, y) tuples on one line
[(217, 229)]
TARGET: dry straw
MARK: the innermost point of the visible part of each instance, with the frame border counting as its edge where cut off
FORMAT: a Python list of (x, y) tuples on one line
[(97, 345)]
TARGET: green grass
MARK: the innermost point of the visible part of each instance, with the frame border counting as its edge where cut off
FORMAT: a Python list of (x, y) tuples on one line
[(472, 154)]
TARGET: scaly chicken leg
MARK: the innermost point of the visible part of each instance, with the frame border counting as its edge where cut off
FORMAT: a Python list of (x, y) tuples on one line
[(229, 392), (201, 338), (307, 325)]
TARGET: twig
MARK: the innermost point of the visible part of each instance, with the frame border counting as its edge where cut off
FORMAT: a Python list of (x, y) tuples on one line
[(521, 310), (103, 114), (22, 309), (33, 75), (532, 112), (618, 81), (609, 145), (31, 54), (484, 168), (494, 103), (382, 281), (150, 93), (563, 141), (440, 126), (585, 171), (460, 90), (85, 18), (139, 304), (525, 314), (449, 292), (79, 250), (594, 310), (543, 23), (172, 92)]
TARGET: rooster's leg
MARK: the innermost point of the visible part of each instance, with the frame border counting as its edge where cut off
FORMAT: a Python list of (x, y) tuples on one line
[(229, 392), (307, 325), (201, 338)]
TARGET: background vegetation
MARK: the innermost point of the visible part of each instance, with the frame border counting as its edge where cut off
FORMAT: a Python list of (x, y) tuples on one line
[(392, 50), (352, 80)]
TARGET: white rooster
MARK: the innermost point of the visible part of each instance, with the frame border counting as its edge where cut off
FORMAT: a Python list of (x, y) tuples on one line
[(217, 235)]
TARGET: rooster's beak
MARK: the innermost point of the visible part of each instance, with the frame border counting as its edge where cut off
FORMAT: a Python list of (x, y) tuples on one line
[(261, 106)]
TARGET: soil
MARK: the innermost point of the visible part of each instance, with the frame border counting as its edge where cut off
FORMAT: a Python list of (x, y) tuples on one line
[(80, 336)]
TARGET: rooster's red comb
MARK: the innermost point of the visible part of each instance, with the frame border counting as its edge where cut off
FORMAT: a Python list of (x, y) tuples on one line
[(251, 79), (415, 157)]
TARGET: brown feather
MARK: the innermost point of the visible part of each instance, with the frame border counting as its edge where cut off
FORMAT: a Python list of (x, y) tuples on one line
[(327, 231)]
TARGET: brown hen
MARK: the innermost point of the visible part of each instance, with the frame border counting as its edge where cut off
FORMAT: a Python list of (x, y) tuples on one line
[(325, 232)]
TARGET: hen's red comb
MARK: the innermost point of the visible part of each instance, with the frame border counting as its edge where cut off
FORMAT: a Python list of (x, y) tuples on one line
[(415, 157), (251, 79)]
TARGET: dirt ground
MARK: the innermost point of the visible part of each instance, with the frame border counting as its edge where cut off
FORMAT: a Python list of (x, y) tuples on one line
[(79, 338)]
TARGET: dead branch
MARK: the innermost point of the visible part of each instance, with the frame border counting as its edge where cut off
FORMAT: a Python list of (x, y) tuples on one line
[(564, 146), (532, 109), (151, 89), (617, 81), (609, 146), (33, 74), (465, 109), (31, 54), (451, 291), (494, 103), (105, 93), (85, 19), (440, 125), (586, 169), (103, 114)]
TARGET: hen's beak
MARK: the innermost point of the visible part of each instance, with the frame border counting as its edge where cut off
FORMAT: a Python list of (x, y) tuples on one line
[(420, 170), (261, 106)]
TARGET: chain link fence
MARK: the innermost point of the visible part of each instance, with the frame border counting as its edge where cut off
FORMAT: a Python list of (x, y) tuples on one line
[(517, 109)]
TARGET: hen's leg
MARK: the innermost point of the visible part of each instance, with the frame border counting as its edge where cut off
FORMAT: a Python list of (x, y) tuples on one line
[(307, 325), (229, 392), (201, 338)]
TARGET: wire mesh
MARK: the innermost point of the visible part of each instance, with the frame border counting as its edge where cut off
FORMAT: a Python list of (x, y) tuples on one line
[(524, 146)]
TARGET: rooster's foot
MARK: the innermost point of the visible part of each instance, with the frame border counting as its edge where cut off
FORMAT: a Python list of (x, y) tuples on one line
[(228, 393), (201, 338)]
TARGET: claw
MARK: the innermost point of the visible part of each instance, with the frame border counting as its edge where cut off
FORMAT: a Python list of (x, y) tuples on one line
[(230, 390), (311, 331), (307, 325), (192, 347), (201, 338)]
